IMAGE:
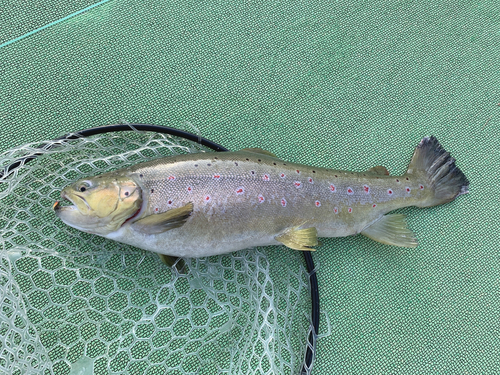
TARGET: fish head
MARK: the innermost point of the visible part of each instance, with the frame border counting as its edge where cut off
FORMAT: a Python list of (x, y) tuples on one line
[(100, 205)]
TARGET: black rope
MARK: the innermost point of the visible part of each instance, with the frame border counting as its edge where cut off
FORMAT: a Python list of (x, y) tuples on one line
[(205, 142)]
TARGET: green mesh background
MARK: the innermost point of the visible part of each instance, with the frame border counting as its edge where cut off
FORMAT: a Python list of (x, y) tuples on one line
[(348, 84)]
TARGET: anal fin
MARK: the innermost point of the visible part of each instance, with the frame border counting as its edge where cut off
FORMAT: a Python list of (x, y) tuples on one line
[(391, 230), (159, 223), (299, 239)]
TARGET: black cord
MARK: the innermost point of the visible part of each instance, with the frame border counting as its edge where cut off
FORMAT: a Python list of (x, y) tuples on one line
[(205, 142), (314, 313)]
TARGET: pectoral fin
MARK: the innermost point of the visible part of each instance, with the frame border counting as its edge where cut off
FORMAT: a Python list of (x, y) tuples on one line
[(259, 151), (171, 261), (391, 230), (159, 223), (299, 239), (379, 170)]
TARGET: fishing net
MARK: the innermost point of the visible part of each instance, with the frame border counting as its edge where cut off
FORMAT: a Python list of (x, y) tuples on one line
[(75, 303)]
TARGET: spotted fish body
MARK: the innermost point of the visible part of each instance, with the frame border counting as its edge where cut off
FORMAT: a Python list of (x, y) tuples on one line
[(249, 198)]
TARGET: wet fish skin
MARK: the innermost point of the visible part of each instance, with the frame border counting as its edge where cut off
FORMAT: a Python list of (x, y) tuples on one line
[(206, 204)]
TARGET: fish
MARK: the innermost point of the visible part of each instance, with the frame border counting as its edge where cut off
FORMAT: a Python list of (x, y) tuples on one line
[(205, 204)]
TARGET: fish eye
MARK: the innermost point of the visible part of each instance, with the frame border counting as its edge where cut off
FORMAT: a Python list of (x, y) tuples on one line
[(84, 186)]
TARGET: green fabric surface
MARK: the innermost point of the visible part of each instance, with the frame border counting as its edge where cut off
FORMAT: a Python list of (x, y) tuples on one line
[(21, 17), (347, 84)]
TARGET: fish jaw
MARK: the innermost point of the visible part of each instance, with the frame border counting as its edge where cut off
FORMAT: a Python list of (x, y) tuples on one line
[(72, 215)]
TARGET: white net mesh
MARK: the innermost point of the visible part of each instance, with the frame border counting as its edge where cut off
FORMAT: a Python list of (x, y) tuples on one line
[(74, 303)]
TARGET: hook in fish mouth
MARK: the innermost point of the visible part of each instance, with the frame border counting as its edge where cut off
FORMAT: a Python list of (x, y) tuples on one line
[(63, 204)]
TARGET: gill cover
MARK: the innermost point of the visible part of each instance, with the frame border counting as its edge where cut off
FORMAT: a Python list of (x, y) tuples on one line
[(100, 204)]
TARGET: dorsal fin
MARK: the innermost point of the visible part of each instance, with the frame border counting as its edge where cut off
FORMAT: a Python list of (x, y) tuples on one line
[(159, 223), (257, 150), (380, 170)]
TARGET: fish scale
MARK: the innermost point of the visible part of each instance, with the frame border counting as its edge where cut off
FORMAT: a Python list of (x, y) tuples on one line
[(207, 204)]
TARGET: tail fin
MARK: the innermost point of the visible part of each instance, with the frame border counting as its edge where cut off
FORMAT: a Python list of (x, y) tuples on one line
[(444, 178)]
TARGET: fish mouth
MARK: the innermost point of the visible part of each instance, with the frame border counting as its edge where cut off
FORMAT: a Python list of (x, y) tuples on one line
[(68, 203)]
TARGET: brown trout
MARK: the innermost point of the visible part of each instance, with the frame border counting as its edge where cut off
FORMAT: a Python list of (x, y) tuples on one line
[(213, 203)]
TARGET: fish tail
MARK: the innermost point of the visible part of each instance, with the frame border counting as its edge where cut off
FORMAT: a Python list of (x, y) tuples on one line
[(444, 179)]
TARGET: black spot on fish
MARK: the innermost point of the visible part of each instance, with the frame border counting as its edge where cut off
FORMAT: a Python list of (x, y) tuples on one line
[(208, 165), (314, 171), (247, 159), (259, 160), (141, 175), (235, 163), (253, 172), (196, 165), (126, 193), (152, 191), (274, 163), (216, 158), (397, 180)]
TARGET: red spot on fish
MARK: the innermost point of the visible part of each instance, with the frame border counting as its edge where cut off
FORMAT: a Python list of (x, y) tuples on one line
[(317, 203), (171, 178), (366, 189), (282, 175), (265, 177), (350, 191), (208, 198), (189, 189), (336, 210), (349, 210), (421, 187), (390, 192), (240, 191), (216, 176), (261, 198), (297, 171), (310, 180), (374, 206), (169, 202), (283, 202), (407, 189), (297, 184), (156, 209), (332, 188)]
